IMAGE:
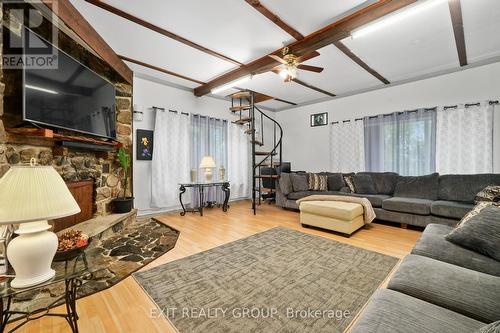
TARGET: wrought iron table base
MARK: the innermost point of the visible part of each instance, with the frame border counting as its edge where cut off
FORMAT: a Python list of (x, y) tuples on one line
[(69, 298), (201, 191)]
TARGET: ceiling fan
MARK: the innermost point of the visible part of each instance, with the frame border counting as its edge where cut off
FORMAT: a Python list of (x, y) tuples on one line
[(291, 63)]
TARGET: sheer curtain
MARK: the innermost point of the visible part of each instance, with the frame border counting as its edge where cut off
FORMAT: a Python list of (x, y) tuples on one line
[(347, 152), (170, 164), (465, 139), (402, 142), (239, 162), (208, 137)]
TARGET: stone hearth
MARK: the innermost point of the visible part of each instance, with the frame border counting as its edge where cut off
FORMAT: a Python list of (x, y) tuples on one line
[(112, 257)]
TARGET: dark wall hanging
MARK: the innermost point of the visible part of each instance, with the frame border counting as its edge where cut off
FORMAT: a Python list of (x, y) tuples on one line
[(144, 145), (319, 119)]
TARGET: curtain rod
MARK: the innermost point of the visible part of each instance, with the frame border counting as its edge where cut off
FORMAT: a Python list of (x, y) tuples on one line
[(415, 110), (202, 116), (173, 111)]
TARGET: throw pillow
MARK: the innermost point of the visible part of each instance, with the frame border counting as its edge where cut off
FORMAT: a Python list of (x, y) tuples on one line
[(285, 183), (299, 182), (323, 183), (481, 233), (478, 208), (490, 328), (489, 193), (364, 184), (313, 181), (348, 181), (335, 182), (317, 182)]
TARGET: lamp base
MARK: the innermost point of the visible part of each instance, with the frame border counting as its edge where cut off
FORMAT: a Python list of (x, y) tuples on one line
[(209, 175), (28, 282), (31, 254)]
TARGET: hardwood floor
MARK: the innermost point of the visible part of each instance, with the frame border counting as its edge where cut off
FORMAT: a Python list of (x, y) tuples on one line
[(125, 307)]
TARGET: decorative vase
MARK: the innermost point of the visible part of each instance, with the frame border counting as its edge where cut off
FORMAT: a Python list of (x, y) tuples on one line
[(193, 175), (222, 173)]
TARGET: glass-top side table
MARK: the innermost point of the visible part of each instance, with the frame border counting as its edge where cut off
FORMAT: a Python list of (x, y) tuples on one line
[(70, 271), (200, 186)]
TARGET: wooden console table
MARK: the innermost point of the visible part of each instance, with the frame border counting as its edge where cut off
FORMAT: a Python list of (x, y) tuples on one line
[(201, 191)]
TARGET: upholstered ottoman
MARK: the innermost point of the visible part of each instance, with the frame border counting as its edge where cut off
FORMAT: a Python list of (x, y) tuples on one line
[(343, 217)]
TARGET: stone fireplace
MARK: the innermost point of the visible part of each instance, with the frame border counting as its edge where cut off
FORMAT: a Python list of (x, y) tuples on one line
[(74, 165)]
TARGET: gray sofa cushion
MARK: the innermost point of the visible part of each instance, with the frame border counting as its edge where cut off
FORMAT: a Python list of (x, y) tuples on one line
[(385, 182), (375, 199), (433, 244), (392, 312), (299, 182), (465, 187), (285, 183), (481, 233), (364, 184), (335, 181), (408, 205), (422, 187), (473, 294), (490, 328), (452, 209)]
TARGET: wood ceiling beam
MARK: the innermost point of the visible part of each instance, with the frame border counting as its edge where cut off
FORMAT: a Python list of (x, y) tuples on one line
[(159, 30), (313, 87), (328, 35), (159, 69), (76, 22), (342, 47), (288, 29), (275, 19), (458, 30)]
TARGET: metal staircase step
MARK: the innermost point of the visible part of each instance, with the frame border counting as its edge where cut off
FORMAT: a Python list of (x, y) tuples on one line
[(249, 131), (264, 153), (241, 94), (268, 164), (257, 142), (267, 176), (238, 108), (242, 121)]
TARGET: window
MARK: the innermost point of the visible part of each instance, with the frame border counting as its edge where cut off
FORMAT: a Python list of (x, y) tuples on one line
[(402, 142)]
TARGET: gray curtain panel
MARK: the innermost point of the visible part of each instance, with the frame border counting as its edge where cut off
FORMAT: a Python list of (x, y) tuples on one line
[(402, 142), (208, 137)]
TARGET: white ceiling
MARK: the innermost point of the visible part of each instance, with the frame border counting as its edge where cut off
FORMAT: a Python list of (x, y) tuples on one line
[(419, 45)]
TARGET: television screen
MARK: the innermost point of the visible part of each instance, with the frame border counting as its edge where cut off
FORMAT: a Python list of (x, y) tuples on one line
[(71, 97)]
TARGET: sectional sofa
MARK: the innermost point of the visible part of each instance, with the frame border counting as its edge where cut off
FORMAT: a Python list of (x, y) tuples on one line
[(440, 287), (419, 201)]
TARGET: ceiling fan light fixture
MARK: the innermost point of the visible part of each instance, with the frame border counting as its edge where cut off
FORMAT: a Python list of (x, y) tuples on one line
[(231, 84)]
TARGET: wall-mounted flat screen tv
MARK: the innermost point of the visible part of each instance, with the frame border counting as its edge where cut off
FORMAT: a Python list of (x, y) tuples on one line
[(72, 96)]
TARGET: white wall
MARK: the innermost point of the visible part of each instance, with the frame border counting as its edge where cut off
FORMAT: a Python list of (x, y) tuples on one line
[(147, 94), (308, 149)]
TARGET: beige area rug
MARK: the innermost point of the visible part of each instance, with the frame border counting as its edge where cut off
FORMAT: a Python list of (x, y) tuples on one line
[(279, 280)]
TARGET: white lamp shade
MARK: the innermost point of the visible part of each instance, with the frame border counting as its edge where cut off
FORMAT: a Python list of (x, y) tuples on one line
[(207, 162), (34, 193)]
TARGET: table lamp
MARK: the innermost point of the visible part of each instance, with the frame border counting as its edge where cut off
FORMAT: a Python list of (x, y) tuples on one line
[(208, 163), (29, 196)]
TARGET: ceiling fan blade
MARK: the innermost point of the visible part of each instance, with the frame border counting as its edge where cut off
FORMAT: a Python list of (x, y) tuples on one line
[(308, 56), (310, 68), (275, 57)]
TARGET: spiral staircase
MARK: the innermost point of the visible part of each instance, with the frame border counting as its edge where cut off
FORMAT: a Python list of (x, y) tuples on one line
[(256, 123)]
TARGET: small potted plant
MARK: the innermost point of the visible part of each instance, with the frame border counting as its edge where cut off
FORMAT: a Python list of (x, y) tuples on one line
[(123, 204)]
